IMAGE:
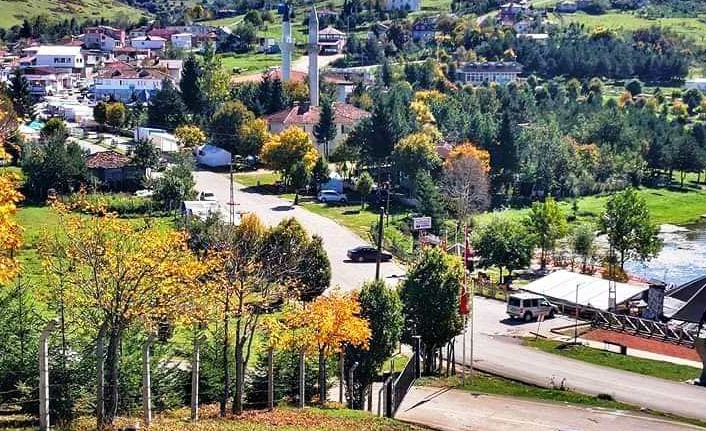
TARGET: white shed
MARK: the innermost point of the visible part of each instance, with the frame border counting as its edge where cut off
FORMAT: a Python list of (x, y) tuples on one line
[(211, 156)]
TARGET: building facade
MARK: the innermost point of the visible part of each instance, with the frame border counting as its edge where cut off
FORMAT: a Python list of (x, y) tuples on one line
[(123, 82), (104, 38), (477, 73)]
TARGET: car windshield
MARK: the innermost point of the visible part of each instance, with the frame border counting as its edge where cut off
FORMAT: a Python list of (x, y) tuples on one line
[(515, 302)]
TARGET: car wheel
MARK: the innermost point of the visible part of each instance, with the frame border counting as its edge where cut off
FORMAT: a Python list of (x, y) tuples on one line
[(527, 317), (323, 201), (360, 259), (551, 314), (344, 201)]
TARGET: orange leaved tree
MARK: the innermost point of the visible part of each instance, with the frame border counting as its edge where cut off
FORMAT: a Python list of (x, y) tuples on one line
[(10, 231)]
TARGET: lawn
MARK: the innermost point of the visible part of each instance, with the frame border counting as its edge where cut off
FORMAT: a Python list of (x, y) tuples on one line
[(253, 179), (647, 367), (250, 62), (14, 11), (692, 28)]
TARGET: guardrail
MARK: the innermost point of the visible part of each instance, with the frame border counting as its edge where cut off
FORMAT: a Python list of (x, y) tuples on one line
[(644, 327)]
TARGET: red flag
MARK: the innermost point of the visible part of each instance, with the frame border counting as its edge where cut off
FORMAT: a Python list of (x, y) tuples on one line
[(463, 302)]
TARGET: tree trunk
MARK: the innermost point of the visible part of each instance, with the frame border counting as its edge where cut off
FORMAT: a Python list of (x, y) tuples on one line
[(322, 377), (111, 366), (226, 365), (296, 197), (429, 354), (239, 378)]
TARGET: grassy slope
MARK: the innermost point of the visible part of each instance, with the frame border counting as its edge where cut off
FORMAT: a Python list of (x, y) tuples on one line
[(14, 11), (648, 367)]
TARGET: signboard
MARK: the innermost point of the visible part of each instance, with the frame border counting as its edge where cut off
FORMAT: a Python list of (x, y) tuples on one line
[(421, 223)]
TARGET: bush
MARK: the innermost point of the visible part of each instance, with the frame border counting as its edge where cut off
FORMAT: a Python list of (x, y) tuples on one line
[(122, 204)]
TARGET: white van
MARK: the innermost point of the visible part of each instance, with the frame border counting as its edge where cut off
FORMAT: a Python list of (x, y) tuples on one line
[(528, 306)]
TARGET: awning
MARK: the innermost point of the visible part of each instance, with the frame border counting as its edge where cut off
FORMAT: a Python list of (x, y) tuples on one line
[(693, 295), (563, 286)]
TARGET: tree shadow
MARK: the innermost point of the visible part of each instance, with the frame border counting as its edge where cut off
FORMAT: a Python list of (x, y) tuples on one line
[(283, 208)]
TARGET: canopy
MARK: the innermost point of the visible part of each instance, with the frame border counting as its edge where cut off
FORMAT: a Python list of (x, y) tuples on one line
[(693, 296), (565, 286)]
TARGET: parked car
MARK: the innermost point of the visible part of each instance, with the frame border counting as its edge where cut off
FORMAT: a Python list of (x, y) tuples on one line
[(330, 196), (207, 196), (366, 253), (528, 306), (145, 193)]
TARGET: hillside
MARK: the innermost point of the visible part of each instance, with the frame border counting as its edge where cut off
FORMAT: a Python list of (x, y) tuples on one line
[(14, 11)]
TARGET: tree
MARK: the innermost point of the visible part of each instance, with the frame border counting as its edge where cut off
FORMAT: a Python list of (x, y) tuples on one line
[(416, 153), (430, 298), (10, 231), (430, 202), (325, 327), (166, 108), (382, 308), (226, 127), (189, 85), (582, 243), (504, 243), (54, 165), (465, 187), (315, 270), (325, 129), (190, 136), (253, 135), (8, 129), (214, 82), (386, 75), (145, 154), (54, 129), (634, 86), (99, 113), (547, 223), (174, 186), (253, 17), (504, 156), (692, 97), (364, 186), (20, 95), (116, 114), (299, 177), (283, 151), (631, 233)]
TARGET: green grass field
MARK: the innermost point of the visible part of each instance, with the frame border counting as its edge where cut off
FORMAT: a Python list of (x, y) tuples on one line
[(647, 367), (14, 11), (250, 62), (693, 28)]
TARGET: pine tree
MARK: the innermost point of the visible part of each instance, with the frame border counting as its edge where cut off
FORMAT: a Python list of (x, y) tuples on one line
[(325, 130), (20, 95), (166, 109), (189, 85), (276, 101), (504, 159), (430, 201), (386, 73)]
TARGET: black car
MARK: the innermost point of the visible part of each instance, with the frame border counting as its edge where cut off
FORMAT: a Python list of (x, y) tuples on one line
[(367, 254)]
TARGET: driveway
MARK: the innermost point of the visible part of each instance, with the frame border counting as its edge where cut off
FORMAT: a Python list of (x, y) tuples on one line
[(456, 410), (336, 239), (496, 351)]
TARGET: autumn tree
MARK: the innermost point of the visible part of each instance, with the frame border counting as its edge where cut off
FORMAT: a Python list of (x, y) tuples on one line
[(548, 224), (464, 185), (226, 124), (117, 275), (190, 136), (10, 231), (364, 186), (116, 114), (415, 153), (283, 151), (430, 296)]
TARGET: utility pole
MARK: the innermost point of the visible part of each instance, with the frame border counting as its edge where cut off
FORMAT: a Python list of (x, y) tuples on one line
[(576, 322), (270, 379), (146, 382), (380, 234), (302, 381), (195, 372), (231, 203), (44, 422), (341, 375)]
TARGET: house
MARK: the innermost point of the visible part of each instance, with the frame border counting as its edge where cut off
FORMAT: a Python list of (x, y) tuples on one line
[(47, 81), (123, 81), (57, 56), (182, 40), (408, 5), (424, 30), (166, 142), (477, 73), (115, 170), (305, 116), (540, 38), (155, 43), (164, 33), (268, 45), (331, 41), (567, 7), (138, 31), (104, 38), (173, 68), (513, 12)]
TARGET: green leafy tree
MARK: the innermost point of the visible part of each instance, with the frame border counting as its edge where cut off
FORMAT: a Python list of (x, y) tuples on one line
[(54, 164), (325, 129), (189, 85), (415, 153), (54, 129), (20, 95), (634, 86), (382, 308), (320, 173), (364, 186), (430, 201), (175, 186), (386, 75), (226, 127), (99, 113), (548, 224), (145, 154), (430, 298), (692, 97), (116, 114), (583, 243), (315, 270), (299, 176), (166, 109), (504, 243), (631, 233)]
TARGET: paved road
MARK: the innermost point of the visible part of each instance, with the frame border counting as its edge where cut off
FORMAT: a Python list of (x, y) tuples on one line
[(455, 410), (496, 351), (337, 239)]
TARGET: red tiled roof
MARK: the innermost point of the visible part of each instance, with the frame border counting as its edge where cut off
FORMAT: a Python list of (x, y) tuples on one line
[(294, 75), (162, 32), (123, 70), (107, 160), (304, 114)]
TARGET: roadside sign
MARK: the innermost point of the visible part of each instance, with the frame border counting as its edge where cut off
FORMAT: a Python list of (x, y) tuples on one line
[(421, 223)]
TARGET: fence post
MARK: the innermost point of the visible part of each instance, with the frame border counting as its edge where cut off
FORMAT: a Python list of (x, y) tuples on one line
[(341, 375), (417, 356), (44, 422), (350, 385), (146, 382), (195, 372), (270, 380), (302, 382), (389, 396)]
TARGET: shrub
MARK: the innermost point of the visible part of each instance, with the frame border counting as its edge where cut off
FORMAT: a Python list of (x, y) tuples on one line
[(122, 204)]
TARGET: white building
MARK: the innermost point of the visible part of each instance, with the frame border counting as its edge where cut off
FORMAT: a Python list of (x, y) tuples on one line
[(410, 5), (477, 73), (45, 81), (104, 38), (56, 56), (697, 83), (148, 42), (123, 81), (166, 142), (182, 40)]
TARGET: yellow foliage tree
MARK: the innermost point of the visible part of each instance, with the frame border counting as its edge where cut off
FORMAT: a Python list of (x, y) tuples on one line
[(467, 149), (190, 136), (284, 150), (10, 231), (117, 274), (323, 327)]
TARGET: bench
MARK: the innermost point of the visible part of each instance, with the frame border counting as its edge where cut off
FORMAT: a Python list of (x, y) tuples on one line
[(623, 348)]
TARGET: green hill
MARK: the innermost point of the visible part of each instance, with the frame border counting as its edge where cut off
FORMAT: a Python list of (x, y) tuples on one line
[(14, 11)]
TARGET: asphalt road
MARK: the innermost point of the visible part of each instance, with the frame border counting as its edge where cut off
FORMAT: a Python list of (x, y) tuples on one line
[(456, 410), (337, 239), (496, 351)]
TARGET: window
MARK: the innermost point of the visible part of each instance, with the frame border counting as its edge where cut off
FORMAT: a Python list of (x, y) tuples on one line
[(515, 302)]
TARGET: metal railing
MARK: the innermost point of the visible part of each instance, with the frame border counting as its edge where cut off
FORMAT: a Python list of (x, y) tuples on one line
[(645, 328), (401, 385)]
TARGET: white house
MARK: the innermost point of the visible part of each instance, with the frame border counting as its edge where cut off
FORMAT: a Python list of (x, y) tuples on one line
[(697, 83), (182, 40), (477, 73), (156, 43), (104, 38), (122, 81), (56, 56), (166, 142), (45, 81), (331, 41), (410, 5)]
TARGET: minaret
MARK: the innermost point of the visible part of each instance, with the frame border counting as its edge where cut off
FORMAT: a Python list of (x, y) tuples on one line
[(286, 44), (313, 57)]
